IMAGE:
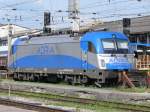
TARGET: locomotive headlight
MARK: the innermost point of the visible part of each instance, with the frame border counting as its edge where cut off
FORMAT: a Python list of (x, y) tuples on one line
[(103, 63)]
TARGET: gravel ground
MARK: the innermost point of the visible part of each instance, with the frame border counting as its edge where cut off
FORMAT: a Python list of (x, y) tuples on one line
[(13, 109), (79, 91)]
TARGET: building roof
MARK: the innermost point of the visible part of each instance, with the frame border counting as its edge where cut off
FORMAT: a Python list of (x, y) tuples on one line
[(16, 30)]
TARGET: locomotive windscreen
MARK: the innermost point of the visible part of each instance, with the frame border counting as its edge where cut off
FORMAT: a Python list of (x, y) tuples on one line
[(108, 44), (122, 44), (115, 46)]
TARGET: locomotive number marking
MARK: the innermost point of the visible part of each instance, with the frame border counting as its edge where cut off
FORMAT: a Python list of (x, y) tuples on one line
[(46, 50)]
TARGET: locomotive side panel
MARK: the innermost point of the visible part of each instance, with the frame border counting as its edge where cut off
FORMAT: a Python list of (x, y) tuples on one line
[(58, 58), (48, 56)]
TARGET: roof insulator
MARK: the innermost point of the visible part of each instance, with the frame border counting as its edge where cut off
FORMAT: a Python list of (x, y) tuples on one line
[(14, 9)]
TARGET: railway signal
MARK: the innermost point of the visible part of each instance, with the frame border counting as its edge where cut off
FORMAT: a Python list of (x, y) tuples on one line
[(126, 26), (47, 22)]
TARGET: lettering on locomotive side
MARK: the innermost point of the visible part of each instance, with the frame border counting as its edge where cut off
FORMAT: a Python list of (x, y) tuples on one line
[(46, 50), (118, 60)]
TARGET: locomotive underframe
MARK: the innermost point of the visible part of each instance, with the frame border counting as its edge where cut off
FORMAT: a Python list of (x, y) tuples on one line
[(71, 76)]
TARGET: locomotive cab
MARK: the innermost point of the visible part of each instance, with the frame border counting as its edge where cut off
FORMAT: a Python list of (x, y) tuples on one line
[(109, 49)]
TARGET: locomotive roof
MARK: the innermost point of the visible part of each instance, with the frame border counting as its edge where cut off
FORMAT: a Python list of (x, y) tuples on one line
[(43, 39), (90, 36), (103, 35)]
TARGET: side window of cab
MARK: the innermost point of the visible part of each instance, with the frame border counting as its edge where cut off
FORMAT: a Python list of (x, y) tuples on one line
[(91, 47), (12, 50)]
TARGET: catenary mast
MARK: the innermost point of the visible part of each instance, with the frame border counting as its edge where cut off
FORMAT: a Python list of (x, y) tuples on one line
[(73, 9)]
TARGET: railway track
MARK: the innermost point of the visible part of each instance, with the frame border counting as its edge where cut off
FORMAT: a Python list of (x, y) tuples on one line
[(60, 98), (29, 106)]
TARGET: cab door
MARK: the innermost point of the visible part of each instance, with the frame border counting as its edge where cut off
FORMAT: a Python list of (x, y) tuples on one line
[(84, 55)]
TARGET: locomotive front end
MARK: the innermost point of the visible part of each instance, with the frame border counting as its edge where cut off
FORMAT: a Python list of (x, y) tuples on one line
[(115, 55), (108, 53)]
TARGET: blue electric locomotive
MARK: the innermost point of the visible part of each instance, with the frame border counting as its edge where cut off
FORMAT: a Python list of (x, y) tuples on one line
[(94, 57)]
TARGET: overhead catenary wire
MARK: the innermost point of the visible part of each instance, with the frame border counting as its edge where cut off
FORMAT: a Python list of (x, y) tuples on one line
[(100, 4), (61, 15), (19, 3)]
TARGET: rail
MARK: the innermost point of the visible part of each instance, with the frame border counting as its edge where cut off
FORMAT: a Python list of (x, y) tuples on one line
[(60, 98), (29, 106)]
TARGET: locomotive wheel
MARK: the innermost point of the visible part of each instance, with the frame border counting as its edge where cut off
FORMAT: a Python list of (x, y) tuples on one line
[(84, 80), (15, 77), (71, 80), (20, 77), (52, 78), (36, 79), (32, 79)]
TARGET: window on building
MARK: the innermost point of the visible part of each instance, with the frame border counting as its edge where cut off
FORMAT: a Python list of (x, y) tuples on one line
[(1, 44), (4, 43)]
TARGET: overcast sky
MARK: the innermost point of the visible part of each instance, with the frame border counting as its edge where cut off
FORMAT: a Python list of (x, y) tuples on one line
[(29, 13)]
